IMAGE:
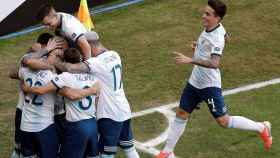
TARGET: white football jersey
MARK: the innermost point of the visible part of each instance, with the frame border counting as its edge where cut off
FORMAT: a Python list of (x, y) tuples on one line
[(38, 110), (21, 94), (20, 102), (79, 109), (71, 27), (208, 43), (112, 103)]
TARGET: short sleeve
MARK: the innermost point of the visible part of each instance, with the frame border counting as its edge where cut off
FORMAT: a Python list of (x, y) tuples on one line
[(20, 73), (60, 81), (217, 46), (94, 65), (72, 28)]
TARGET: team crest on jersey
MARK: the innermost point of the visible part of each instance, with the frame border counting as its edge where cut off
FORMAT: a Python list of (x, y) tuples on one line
[(217, 49)]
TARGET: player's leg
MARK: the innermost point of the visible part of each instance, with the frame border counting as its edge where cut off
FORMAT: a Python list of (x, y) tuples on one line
[(17, 151), (28, 145), (48, 142), (126, 141), (92, 143), (109, 132), (59, 120), (189, 101), (74, 139), (217, 107)]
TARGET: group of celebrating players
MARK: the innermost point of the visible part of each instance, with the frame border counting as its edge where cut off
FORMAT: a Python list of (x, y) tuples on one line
[(72, 103), (68, 81)]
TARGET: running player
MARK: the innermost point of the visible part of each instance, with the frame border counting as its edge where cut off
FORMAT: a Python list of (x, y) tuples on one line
[(113, 112), (65, 25), (205, 83)]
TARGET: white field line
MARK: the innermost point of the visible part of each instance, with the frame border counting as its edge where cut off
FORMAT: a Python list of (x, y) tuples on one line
[(170, 115), (149, 146), (226, 92)]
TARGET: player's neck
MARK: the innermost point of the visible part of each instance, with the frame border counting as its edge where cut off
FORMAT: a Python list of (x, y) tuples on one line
[(210, 28)]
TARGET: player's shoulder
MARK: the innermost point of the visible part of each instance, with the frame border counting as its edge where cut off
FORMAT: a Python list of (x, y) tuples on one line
[(114, 54), (218, 35), (24, 56), (69, 20), (23, 71), (45, 74), (221, 30), (65, 16)]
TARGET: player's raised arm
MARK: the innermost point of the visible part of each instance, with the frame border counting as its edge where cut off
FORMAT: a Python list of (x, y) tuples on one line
[(73, 68), (52, 45), (37, 64), (75, 94), (13, 73)]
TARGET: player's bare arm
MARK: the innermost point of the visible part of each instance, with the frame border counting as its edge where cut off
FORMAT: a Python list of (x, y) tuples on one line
[(72, 68), (85, 47), (213, 63), (37, 64), (50, 87), (70, 93), (75, 94), (52, 45), (13, 73)]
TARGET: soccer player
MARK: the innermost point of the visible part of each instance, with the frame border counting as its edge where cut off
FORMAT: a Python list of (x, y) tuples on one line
[(39, 136), (80, 137), (41, 42), (205, 83), (113, 110), (81, 127), (67, 26)]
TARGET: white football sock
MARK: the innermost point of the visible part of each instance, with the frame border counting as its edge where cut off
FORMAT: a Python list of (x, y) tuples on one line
[(131, 153), (106, 156), (15, 155), (245, 124), (174, 134)]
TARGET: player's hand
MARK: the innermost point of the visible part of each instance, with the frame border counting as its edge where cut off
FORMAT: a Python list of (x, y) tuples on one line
[(58, 52), (193, 46), (25, 87), (182, 59), (54, 44)]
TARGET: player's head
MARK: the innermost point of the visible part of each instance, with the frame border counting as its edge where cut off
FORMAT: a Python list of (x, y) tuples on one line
[(213, 13), (95, 44), (72, 55), (44, 38), (47, 15)]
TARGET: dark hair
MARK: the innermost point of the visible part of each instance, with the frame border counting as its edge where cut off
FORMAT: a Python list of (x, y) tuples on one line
[(72, 55), (44, 38), (43, 11), (219, 7)]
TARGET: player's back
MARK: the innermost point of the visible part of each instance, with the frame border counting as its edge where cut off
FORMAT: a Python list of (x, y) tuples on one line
[(71, 27), (107, 67), (79, 109), (38, 111)]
